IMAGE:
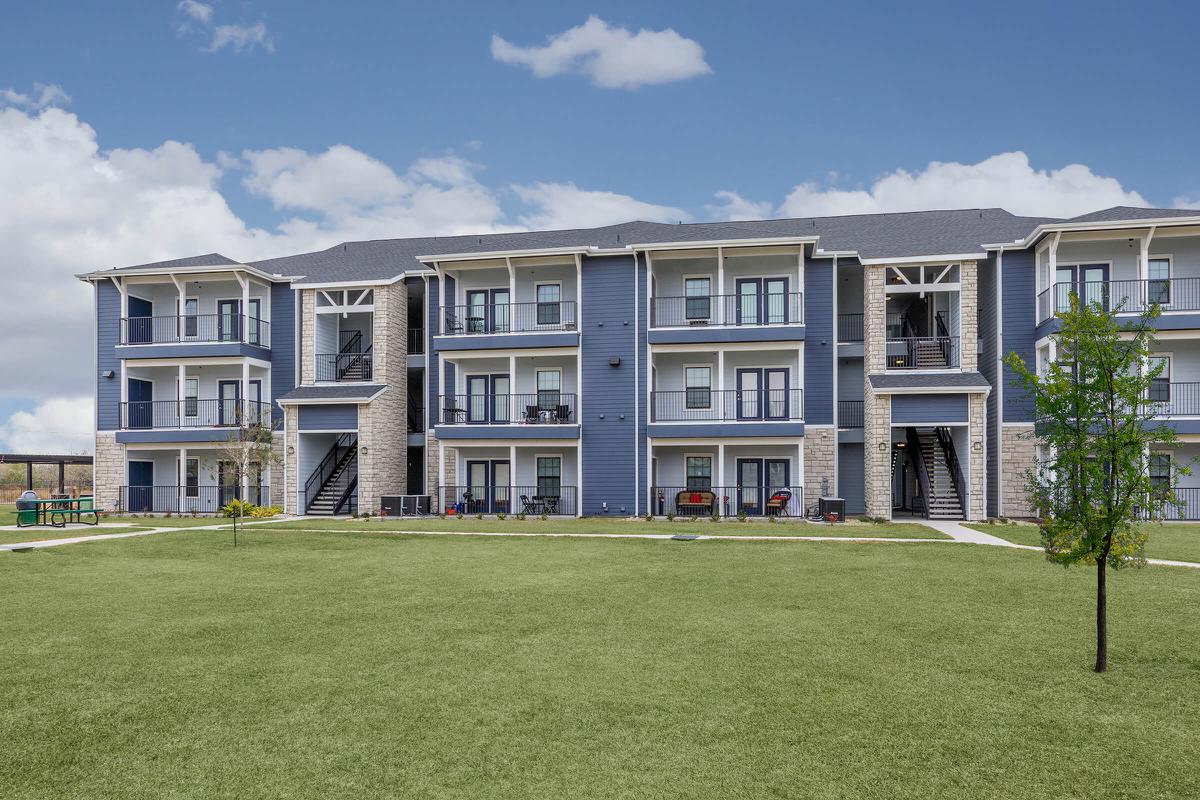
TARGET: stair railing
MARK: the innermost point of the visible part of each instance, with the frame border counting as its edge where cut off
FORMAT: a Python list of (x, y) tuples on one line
[(943, 333), (947, 444), (350, 477), (341, 446), (918, 457)]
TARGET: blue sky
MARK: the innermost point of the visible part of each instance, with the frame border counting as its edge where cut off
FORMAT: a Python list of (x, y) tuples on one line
[(784, 108)]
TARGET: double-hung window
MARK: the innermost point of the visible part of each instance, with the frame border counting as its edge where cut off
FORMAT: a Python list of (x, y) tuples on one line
[(698, 387), (191, 397), (699, 473), (1160, 386), (549, 306), (697, 301), (549, 476), (1160, 472), (1158, 284), (549, 389)]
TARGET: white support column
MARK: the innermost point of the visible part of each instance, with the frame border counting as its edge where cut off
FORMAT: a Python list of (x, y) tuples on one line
[(651, 497), (721, 304), (721, 381), (579, 363), (798, 478), (512, 475), (244, 309), (579, 478), (440, 323), (441, 474), (512, 292), (245, 404), (181, 304), (181, 480), (181, 395), (721, 472), (124, 385)]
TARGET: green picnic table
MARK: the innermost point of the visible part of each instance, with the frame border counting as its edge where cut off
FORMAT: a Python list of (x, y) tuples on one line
[(57, 512)]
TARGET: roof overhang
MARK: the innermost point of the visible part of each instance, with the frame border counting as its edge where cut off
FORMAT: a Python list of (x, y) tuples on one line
[(900, 261), (1111, 225), (104, 274)]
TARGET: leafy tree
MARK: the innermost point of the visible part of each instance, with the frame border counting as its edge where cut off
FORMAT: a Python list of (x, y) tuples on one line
[(1095, 428)]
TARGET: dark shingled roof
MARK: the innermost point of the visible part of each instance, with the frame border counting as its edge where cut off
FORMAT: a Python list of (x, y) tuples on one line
[(916, 233), (1122, 213), (207, 260), (947, 380), (342, 392)]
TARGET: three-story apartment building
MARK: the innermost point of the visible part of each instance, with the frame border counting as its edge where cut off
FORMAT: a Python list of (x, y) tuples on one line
[(742, 368)]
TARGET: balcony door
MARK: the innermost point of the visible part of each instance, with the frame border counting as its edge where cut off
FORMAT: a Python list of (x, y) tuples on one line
[(758, 479), (1088, 281), (141, 486), (229, 317), (762, 393), (488, 399), (228, 395), (140, 324), (487, 311), (762, 301), (489, 484), (140, 410)]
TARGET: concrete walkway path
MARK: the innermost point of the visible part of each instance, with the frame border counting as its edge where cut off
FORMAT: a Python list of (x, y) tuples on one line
[(961, 533)]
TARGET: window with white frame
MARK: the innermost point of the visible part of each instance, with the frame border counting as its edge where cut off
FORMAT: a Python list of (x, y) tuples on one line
[(191, 396), (549, 389), (1160, 471), (1158, 281), (698, 387), (697, 299), (549, 476), (549, 310), (1160, 385), (699, 473)]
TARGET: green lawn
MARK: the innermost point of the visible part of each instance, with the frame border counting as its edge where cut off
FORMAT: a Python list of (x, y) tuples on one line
[(38, 533), (904, 530), (8, 516), (315, 666), (1174, 541)]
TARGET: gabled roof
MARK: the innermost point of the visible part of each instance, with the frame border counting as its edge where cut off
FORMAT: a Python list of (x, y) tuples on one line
[(929, 382), (334, 393), (1122, 213)]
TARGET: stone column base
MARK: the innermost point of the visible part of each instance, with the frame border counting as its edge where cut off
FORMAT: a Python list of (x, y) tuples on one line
[(1018, 454), (110, 471), (819, 475)]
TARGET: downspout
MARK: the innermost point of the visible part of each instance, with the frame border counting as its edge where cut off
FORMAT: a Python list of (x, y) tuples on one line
[(999, 385), (637, 406)]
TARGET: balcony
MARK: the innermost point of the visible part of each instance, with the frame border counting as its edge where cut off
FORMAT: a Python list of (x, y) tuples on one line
[(501, 318), (416, 341), (728, 405), (344, 367), (1123, 296), (728, 501), (923, 352), (850, 327), (544, 409), (174, 329), (152, 414), (549, 499), (850, 413), (186, 499), (728, 310), (1174, 399)]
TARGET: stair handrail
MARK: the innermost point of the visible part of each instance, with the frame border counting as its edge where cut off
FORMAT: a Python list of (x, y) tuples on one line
[(325, 469), (914, 446), (944, 339), (354, 342), (347, 358), (351, 485), (951, 455)]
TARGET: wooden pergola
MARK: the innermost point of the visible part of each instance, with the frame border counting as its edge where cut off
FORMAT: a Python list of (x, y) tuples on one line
[(30, 460)]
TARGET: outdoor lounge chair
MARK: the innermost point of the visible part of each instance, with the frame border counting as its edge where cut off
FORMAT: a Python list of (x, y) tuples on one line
[(695, 503), (777, 504)]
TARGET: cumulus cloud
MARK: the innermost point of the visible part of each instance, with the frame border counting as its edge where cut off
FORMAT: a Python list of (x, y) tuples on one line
[(731, 207), (1186, 202), (44, 95), (565, 205), (1006, 180), (612, 57), (60, 425), (199, 18)]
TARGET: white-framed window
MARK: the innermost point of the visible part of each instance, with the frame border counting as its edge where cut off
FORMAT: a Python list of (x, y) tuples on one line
[(549, 303), (549, 476), (1158, 280), (549, 389), (698, 473), (697, 298), (1160, 470), (1160, 386), (190, 396), (697, 387)]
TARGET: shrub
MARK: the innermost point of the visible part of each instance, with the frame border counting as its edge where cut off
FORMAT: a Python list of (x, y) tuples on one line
[(742, 516), (521, 516), (237, 508), (501, 515), (479, 516), (670, 516), (649, 517), (167, 514), (715, 517), (544, 517), (259, 512)]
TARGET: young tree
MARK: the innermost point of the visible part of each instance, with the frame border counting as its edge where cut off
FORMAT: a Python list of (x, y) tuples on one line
[(1095, 427), (248, 452)]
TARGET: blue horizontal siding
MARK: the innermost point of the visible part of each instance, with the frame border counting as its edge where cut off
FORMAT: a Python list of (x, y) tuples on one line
[(507, 432), (705, 430), (912, 408), (749, 333), (170, 437), (818, 348), (331, 417), (506, 341), (108, 328), (197, 350)]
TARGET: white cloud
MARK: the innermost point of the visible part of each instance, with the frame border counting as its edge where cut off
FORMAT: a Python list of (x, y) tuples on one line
[(612, 57), (1006, 180), (61, 425), (733, 207), (241, 38), (565, 205), (1184, 201), (201, 12), (44, 95), (199, 18)]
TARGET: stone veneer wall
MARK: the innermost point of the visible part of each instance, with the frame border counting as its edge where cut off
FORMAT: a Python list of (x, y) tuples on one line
[(1018, 452), (278, 479), (819, 444), (383, 423), (977, 457), (291, 417), (306, 347), (877, 408), (109, 465), (968, 323)]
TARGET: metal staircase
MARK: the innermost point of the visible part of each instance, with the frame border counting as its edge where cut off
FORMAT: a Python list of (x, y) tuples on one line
[(353, 363), (331, 488), (941, 473)]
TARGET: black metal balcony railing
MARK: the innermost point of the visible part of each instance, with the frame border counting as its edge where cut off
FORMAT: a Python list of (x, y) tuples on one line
[(1189, 499), (923, 352), (195, 328), (850, 326), (189, 413), (416, 341), (416, 418), (1174, 399), (727, 501), (344, 367), (186, 499), (510, 318), (728, 310), (1130, 296), (850, 413), (547, 498), (727, 405), (540, 408)]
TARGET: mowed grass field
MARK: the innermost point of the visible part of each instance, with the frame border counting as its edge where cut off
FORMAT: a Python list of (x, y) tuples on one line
[(310, 665), (1179, 541)]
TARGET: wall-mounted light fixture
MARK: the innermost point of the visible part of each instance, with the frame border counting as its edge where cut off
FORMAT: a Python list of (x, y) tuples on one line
[(614, 361), (291, 450), (108, 373), (977, 446), (363, 450), (883, 447)]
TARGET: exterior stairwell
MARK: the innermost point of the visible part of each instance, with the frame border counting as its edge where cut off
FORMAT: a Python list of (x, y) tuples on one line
[(331, 488), (942, 478)]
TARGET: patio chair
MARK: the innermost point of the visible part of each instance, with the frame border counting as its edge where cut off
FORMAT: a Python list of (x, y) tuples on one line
[(563, 414), (777, 505), (531, 415), (695, 503), (529, 506)]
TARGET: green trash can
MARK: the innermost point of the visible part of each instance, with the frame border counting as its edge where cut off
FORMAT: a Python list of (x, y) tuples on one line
[(27, 509)]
